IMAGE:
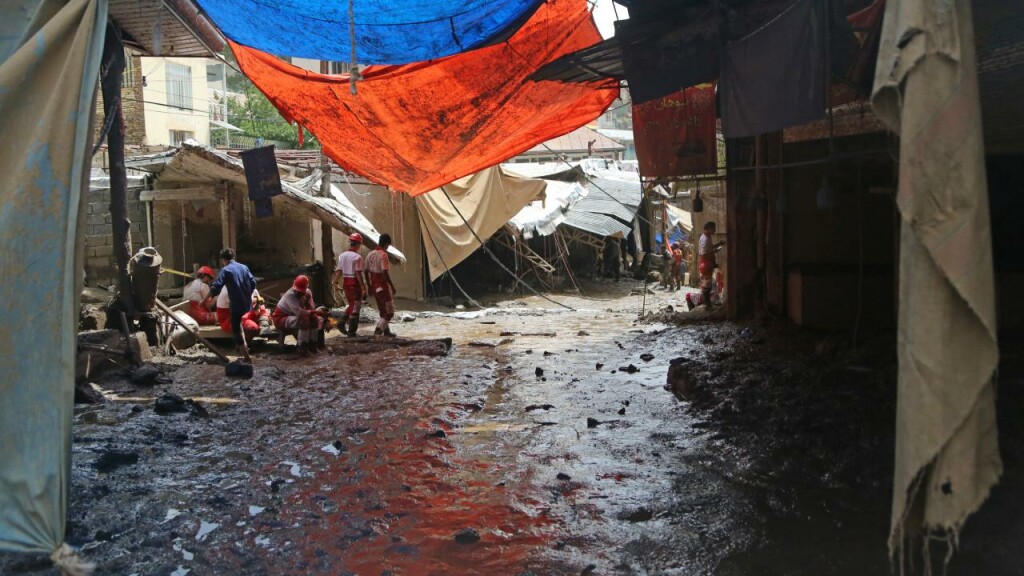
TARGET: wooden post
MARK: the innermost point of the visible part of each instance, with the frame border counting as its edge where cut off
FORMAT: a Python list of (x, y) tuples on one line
[(225, 222), (326, 232), (112, 69)]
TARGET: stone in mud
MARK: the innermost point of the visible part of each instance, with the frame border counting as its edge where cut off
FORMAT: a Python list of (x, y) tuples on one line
[(631, 369), (679, 380), (546, 353), (622, 411), (563, 476), (599, 366), (544, 407), (539, 371), (86, 394), (115, 459), (437, 434), (647, 357), (638, 515), (146, 375), (589, 569), (238, 369), (583, 333), (467, 536), (170, 403), (593, 422)]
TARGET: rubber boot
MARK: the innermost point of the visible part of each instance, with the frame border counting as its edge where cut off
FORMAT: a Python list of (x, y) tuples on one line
[(353, 325), (321, 342)]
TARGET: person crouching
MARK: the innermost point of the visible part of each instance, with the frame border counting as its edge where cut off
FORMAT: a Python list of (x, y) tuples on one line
[(378, 280), (199, 301), (296, 314)]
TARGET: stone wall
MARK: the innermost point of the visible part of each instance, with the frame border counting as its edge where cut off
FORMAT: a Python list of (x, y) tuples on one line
[(131, 104)]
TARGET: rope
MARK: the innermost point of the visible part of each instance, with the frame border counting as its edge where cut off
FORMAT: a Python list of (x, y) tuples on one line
[(495, 258), (67, 560), (353, 73), (441, 258)]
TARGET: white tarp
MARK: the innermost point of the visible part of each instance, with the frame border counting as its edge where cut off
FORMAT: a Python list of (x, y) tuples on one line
[(926, 89), (49, 69), (542, 217)]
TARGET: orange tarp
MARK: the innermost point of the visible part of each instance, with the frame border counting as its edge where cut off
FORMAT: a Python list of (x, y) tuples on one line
[(419, 126)]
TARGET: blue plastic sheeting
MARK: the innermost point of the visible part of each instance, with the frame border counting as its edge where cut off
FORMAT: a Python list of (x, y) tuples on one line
[(47, 82), (387, 31)]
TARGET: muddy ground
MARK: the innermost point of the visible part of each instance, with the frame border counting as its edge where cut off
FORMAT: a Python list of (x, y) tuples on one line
[(545, 442)]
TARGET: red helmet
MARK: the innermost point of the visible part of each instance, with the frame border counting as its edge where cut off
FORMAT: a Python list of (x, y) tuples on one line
[(205, 271), (355, 237), (301, 283)]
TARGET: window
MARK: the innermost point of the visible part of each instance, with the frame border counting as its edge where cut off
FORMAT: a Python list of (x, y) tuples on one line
[(179, 136), (179, 86), (340, 67)]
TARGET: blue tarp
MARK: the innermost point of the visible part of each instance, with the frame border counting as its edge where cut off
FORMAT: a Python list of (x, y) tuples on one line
[(387, 31)]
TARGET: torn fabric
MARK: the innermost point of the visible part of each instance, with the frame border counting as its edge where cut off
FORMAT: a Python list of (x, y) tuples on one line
[(487, 200), (926, 89), (47, 86), (416, 127), (386, 31), (542, 217)]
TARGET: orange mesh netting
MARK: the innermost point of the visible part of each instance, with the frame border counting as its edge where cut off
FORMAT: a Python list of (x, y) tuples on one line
[(419, 126)]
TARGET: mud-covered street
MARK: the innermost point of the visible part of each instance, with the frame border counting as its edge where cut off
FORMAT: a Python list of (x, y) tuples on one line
[(545, 442)]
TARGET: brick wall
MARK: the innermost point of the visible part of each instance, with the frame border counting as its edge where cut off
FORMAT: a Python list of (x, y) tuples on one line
[(99, 249), (131, 104)]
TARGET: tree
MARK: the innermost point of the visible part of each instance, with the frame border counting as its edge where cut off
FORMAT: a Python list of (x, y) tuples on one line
[(250, 110)]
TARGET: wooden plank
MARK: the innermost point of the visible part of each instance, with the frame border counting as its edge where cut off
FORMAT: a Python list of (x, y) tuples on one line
[(198, 193), (163, 308)]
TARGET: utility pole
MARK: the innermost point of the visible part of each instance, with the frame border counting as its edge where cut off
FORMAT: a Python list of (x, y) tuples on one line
[(326, 232), (112, 68)]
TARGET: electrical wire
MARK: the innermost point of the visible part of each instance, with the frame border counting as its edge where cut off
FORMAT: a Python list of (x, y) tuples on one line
[(495, 258), (441, 258)]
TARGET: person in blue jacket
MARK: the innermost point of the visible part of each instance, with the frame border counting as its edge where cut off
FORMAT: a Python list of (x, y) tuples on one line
[(238, 280)]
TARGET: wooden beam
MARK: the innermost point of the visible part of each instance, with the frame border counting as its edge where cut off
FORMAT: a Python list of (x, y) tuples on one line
[(198, 193), (225, 223), (170, 314)]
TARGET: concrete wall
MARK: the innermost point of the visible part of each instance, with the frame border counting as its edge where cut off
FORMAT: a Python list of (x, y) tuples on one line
[(394, 213), (160, 118), (99, 250)]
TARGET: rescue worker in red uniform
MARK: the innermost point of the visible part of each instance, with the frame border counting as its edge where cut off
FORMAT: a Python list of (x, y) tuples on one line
[(378, 280), (296, 314), (350, 272), (199, 300)]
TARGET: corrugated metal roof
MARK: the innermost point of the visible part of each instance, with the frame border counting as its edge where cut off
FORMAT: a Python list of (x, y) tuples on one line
[(576, 141), (598, 62), (597, 224)]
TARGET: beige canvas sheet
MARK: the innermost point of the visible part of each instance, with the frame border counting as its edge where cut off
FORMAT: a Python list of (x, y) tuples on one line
[(487, 200), (926, 89)]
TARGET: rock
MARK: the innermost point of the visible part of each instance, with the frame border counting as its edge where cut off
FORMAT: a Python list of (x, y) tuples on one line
[(563, 476), (86, 394), (638, 515), (508, 333), (589, 569), (631, 369), (679, 380), (622, 411), (583, 333), (181, 338), (238, 369), (437, 434), (546, 353), (432, 348), (600, 365), (197, 408), (647, 357), (539, 371), (467, 536), (146, 375), (115, 459), (544, 407), (91, 317), (170, 403), (593, 423)]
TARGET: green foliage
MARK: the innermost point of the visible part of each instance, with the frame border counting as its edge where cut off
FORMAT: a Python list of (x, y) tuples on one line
[(250, 110)]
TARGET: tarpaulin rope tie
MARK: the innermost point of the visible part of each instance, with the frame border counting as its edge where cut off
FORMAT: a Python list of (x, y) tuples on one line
[(70, 563), (353, 73), (495, 258)]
